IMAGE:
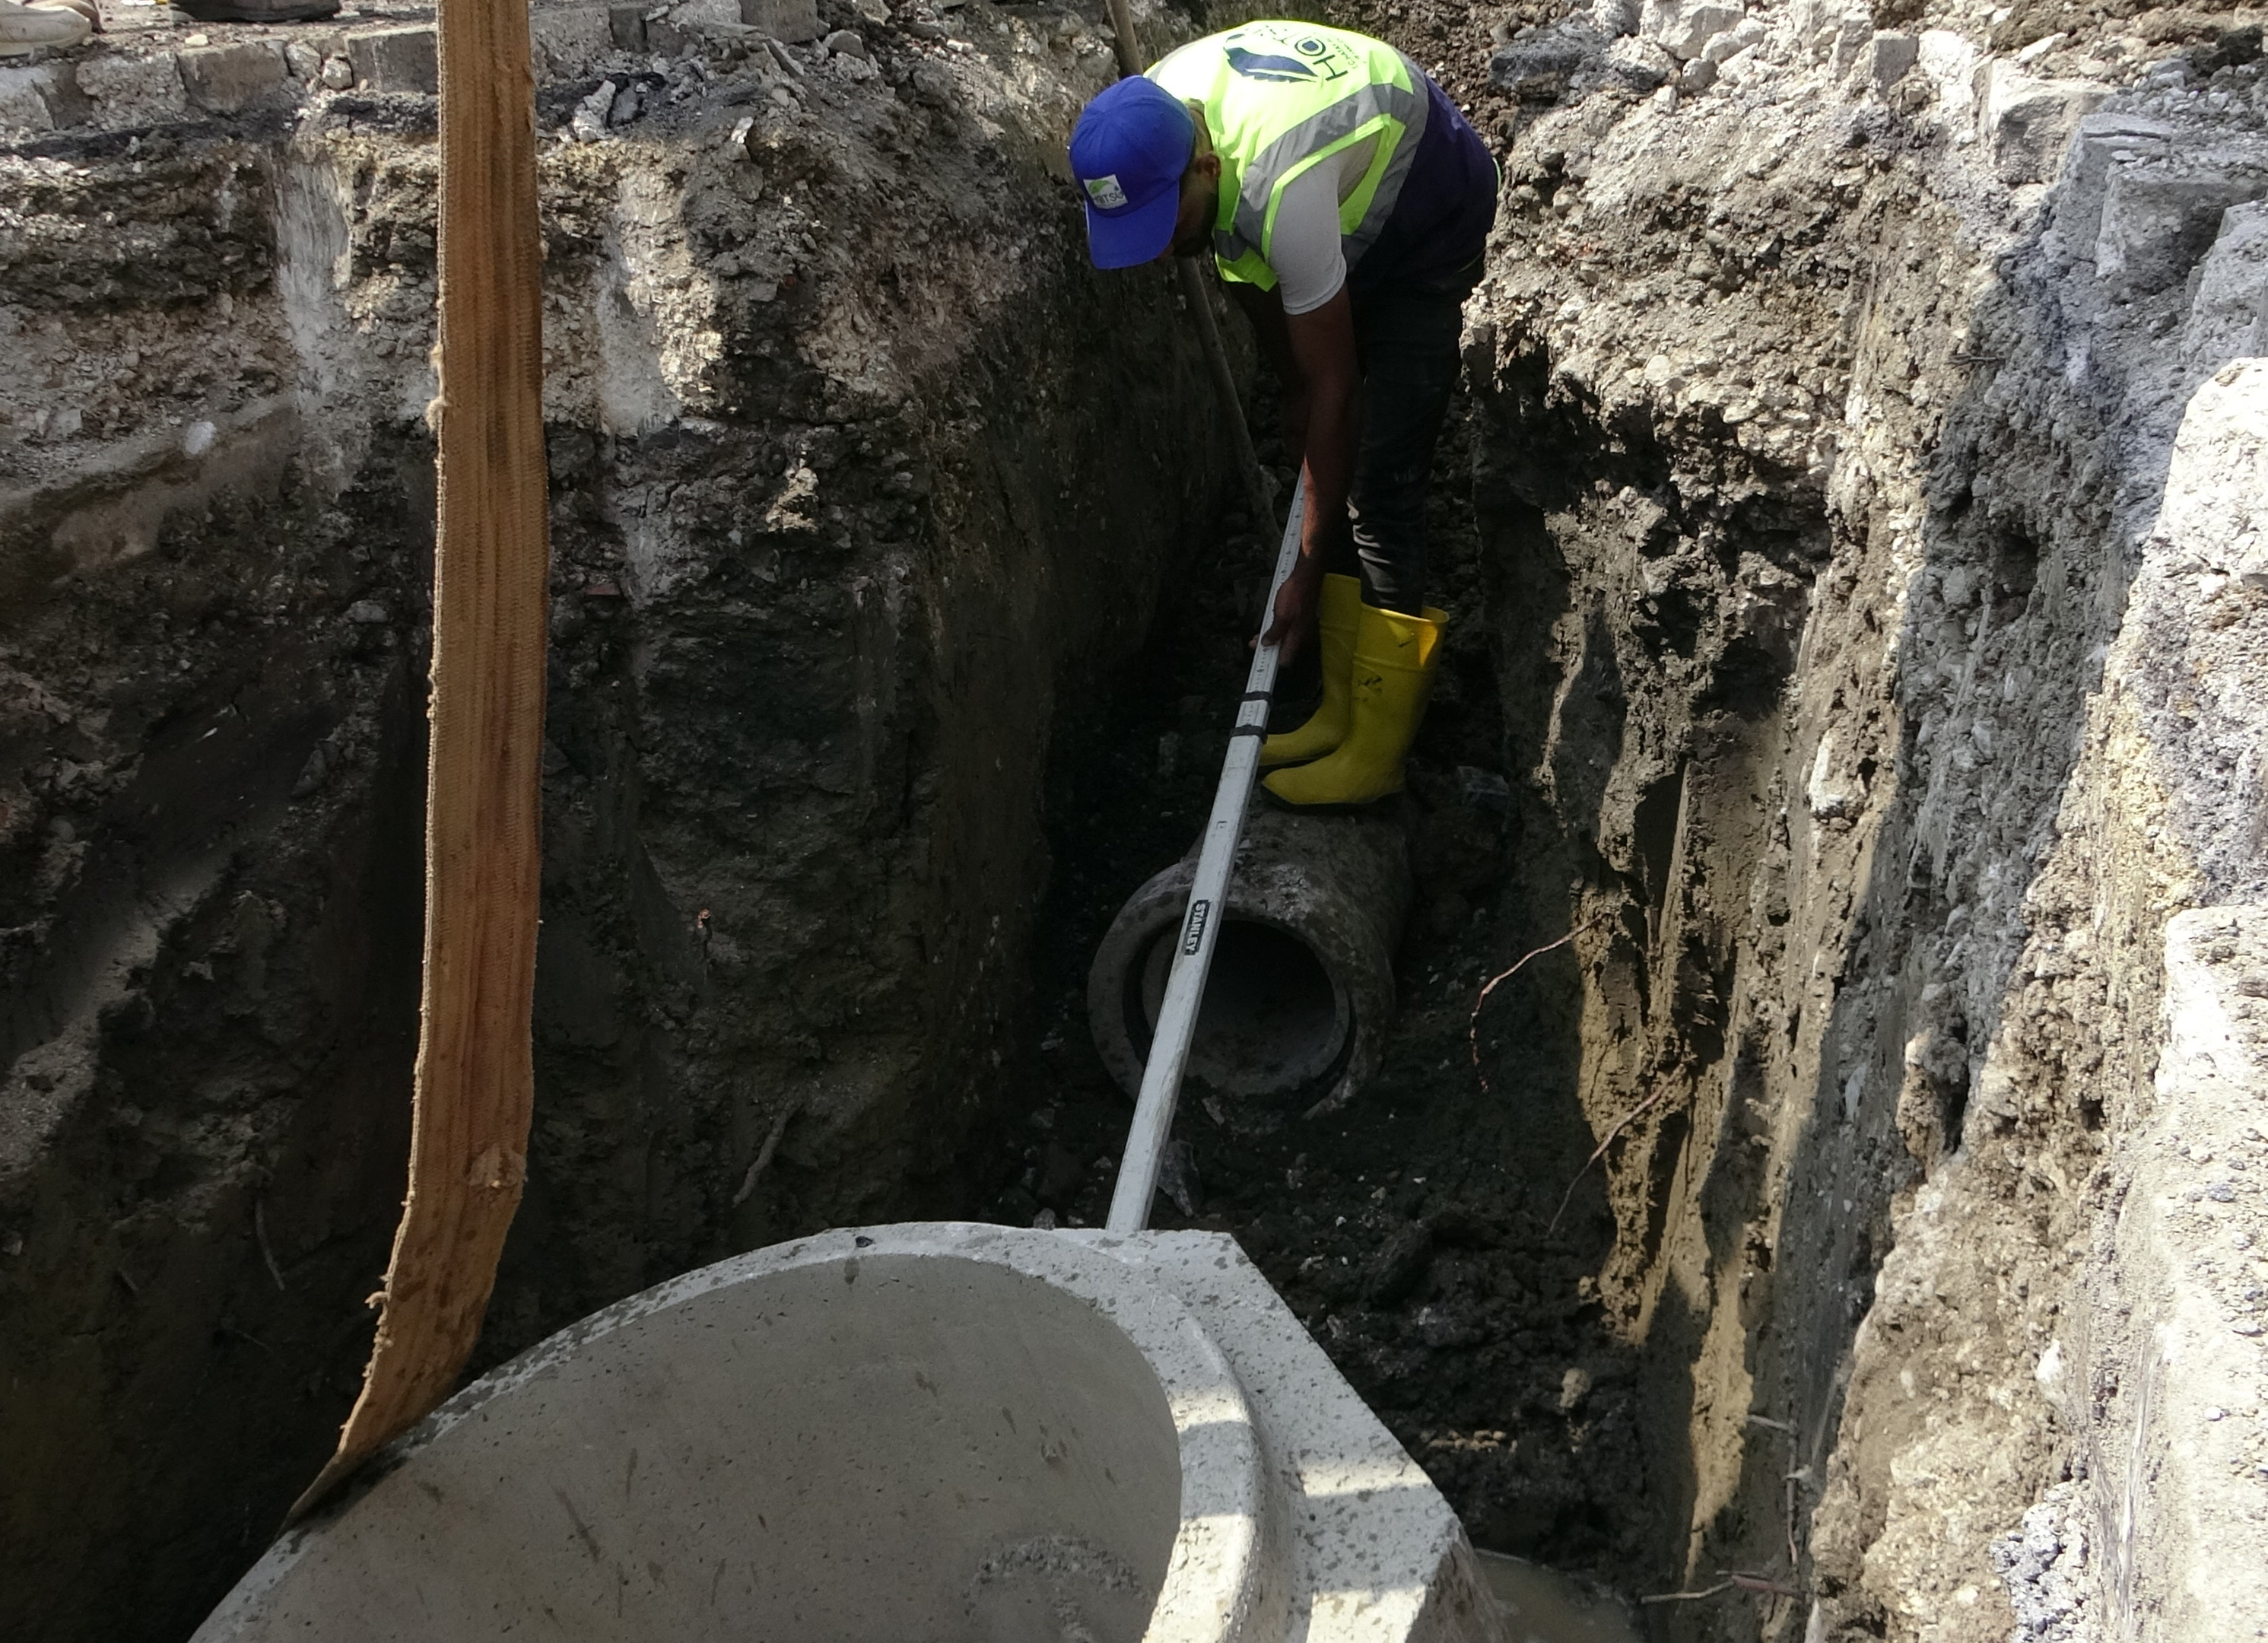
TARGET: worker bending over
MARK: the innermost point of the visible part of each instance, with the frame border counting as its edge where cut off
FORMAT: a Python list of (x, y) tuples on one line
[(1347, 203)]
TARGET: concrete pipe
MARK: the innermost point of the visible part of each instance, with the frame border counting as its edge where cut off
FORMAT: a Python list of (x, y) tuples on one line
[(939, 1431), (1302, 983)]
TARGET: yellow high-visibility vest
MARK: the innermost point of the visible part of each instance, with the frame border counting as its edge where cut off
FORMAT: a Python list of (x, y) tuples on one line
[(1280, 97)]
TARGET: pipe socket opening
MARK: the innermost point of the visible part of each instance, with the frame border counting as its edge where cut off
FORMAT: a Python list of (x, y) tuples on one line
[(1273, 1019), (1302, 989)]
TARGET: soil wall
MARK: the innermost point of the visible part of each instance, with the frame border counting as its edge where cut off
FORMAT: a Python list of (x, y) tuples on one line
[(1833, 364), (859, 476)]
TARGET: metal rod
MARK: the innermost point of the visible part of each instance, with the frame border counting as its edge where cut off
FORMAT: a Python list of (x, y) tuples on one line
[(1258, 493), (1200, 927), (1121, 24)]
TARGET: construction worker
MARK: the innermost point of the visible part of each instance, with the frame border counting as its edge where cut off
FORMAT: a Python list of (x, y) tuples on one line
[(1347, 202)]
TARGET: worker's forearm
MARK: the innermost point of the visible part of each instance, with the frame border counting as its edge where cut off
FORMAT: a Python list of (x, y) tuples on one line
[(1329, 461), (1264, 311)]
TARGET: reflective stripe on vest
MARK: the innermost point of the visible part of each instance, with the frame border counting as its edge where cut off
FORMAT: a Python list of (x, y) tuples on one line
[(1281, 97)]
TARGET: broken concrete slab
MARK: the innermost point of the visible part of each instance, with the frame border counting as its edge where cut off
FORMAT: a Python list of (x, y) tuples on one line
[(1537, 63), (1638, 64), (1885, 59), (2105, 137), (689, 25), (2185, 1349), (22, 99), (2108, 134), (1814, 24), (2161, 212), (1949, 59), (1748, 32), (566, 41), (1682, 29), (1615, 17), (794, 21), (2216, 509), (2229, 316), (132, 91), (1848, 40), (226, 79), (2027, 123), (394, 61)]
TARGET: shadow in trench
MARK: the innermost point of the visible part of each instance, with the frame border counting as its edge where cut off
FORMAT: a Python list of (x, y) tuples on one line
[(1439, 1235)]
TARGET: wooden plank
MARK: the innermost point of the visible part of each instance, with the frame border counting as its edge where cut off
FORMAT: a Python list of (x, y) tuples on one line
[(484, 846)]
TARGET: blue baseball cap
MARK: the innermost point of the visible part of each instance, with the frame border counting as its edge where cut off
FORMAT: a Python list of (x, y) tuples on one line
[(1131, 146)]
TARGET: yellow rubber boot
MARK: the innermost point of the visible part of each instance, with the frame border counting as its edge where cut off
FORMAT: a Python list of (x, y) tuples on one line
[(1327, 726), (1393, 660)]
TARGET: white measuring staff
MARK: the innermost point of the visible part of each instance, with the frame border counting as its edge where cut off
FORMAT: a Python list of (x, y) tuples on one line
[(1200, 930)]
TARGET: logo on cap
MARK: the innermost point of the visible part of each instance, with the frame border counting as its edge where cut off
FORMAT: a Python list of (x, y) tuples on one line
[(1106, 193)]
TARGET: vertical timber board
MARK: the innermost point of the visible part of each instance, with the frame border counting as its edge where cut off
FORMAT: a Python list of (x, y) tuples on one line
[(492, 567)]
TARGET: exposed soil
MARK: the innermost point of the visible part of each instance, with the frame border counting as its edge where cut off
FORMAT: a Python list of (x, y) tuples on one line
[(818, 587), (1843, 648), (1791, 721)]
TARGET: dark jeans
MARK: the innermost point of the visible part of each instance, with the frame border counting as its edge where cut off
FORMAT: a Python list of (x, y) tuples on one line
[(1406, 337), (1409, 293)]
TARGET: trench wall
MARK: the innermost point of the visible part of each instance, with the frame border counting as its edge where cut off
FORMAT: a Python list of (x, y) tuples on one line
[(1872, 735), (858, 476)]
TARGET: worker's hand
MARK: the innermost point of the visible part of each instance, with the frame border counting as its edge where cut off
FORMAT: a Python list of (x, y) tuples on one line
[(1296, 604)]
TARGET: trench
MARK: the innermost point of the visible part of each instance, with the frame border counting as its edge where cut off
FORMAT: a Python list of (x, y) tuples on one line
[(1441, 1232), (1810, 600), (1444, 1233)]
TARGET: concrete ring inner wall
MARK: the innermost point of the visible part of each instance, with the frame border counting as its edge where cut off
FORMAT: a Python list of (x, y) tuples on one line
[(1301, 989), (939, 1433)]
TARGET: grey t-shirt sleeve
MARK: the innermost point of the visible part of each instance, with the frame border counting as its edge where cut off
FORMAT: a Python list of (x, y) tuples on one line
[(1306, 250)]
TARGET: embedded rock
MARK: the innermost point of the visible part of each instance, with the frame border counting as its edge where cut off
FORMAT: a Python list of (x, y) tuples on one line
[(224, 79), (395, 60)]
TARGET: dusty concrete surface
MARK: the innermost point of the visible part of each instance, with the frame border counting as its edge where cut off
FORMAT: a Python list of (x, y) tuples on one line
[(1056, 1436), (858, 472), (1844, 647)]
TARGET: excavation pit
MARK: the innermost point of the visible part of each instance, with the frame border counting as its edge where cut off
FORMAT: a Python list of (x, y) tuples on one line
[(1844, 702)]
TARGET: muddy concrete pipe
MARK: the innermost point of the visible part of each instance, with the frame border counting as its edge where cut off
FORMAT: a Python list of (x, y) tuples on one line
[(1302, 985), (937, 1432)]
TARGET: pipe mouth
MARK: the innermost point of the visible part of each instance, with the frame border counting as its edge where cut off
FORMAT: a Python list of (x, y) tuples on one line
[(1274, 1021), (1302, 980)]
